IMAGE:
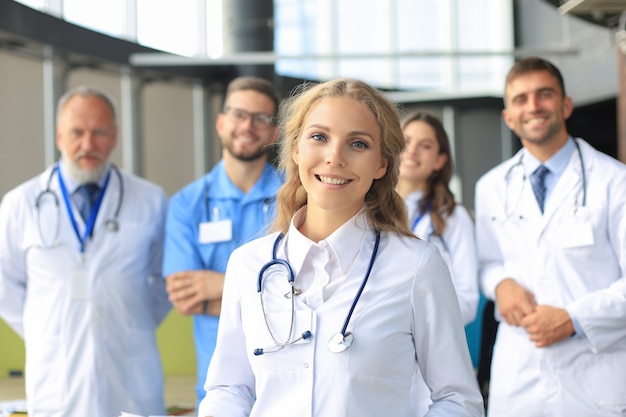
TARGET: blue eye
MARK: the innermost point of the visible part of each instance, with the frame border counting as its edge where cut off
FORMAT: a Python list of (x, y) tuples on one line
[(318, 137), (360, 144)]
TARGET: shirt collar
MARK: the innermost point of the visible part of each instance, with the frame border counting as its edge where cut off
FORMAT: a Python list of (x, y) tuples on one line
[(414, 197), (344, 243), (557, 162)]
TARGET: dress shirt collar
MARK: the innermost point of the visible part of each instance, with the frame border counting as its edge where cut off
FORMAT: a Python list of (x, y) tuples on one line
[(345, 243), (414, 197), (412, 201), (557, 162)]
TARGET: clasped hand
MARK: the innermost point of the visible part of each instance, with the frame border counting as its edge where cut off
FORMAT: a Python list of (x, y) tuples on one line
[(544, 324)]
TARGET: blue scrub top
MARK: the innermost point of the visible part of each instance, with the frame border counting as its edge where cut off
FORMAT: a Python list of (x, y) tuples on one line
[(210, 198)]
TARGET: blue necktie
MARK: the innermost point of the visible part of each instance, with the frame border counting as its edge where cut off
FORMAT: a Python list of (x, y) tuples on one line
[(538, 181), (90, 194)]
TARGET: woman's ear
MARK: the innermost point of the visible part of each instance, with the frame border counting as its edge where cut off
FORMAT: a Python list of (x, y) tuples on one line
[(442, 158), (381, 170)]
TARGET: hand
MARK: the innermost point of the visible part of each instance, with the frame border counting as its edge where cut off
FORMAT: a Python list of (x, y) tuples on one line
[(188, 291), (514, 301), (548, 325)]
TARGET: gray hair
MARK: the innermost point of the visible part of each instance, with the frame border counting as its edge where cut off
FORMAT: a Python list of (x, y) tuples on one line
[(86, 91)]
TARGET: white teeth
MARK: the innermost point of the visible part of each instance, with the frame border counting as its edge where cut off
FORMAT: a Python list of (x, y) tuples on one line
[(333, 181)]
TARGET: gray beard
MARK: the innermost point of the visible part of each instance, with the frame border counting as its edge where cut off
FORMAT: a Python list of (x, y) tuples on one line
[(82, 176)]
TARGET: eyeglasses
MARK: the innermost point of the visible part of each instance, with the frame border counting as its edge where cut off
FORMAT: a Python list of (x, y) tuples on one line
[(259, 120)]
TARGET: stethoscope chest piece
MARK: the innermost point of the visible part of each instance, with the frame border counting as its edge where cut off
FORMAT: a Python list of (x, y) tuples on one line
[(112, 225), (339, 343)]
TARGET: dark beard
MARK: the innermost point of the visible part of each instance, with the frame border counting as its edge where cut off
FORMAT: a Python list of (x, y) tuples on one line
[(261, 153)]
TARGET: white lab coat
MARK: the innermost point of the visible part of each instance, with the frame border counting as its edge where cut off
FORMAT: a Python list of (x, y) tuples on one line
[(458, 248), (408, 314), (552, 256), (90, 352)]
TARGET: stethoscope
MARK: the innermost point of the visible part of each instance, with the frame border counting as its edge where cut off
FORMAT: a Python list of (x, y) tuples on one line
[(111, 224), (510, 210), (431, 234), (216, 213), (340, 341)]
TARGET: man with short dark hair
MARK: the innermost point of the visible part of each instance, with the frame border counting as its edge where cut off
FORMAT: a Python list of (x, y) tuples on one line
[(551, 234)]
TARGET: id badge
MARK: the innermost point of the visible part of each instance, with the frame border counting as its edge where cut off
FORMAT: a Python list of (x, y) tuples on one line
[(80, 283), (217, 231), (573, 235)]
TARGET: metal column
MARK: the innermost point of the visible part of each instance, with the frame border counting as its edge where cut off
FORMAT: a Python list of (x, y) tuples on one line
[(249, 27)]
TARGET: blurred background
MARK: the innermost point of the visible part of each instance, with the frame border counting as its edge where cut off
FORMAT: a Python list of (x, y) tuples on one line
[(166, 62)]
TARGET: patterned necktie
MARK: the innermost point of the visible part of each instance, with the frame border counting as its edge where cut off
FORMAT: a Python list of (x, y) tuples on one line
[(90, 193), (538, 181)]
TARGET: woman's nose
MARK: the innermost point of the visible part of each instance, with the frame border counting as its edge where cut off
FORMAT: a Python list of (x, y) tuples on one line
[(335, 156)]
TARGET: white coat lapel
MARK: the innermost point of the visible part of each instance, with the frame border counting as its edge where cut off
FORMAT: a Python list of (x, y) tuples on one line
[(568, 189)]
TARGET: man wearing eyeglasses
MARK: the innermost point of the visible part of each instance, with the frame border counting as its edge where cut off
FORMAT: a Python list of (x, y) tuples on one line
[(227, 207)]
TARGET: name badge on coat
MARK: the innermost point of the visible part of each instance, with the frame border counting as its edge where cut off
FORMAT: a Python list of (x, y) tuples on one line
[(80, 283), (217, 231), (573, 235)]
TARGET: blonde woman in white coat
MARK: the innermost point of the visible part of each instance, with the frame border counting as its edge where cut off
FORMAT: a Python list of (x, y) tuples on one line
[(425, 171), (345, 337)]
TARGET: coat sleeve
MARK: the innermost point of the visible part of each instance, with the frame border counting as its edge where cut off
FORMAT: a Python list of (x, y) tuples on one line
[(13, 279), (602, 313), (490, 259), (461, 241), (161, 302), (441, 340)]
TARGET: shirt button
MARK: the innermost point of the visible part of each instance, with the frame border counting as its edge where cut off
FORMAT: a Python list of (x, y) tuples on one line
[(306, 365)]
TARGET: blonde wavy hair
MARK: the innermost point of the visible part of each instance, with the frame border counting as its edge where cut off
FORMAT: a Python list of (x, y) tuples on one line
[(384, 207)]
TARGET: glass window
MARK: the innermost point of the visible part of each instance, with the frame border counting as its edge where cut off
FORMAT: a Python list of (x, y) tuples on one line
[(167, 25), (104, 16), (456, 46), (35, 4)]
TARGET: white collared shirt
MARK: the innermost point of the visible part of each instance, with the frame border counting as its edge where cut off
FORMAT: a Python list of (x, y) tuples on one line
[(321, 267)]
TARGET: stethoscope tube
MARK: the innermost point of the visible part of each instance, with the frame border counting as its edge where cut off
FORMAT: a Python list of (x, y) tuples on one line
[(431, 233), (339, 342), (358, 294), (509, 213), (111, 224), (267, 201)]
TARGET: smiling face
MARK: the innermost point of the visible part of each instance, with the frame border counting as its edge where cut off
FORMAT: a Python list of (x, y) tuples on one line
[(86, 135), (339, 156), (422, 155), (536, 109), (242, 137)]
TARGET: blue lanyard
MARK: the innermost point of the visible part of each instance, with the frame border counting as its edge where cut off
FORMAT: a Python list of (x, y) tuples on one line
[(94, 212), (419, 217)]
